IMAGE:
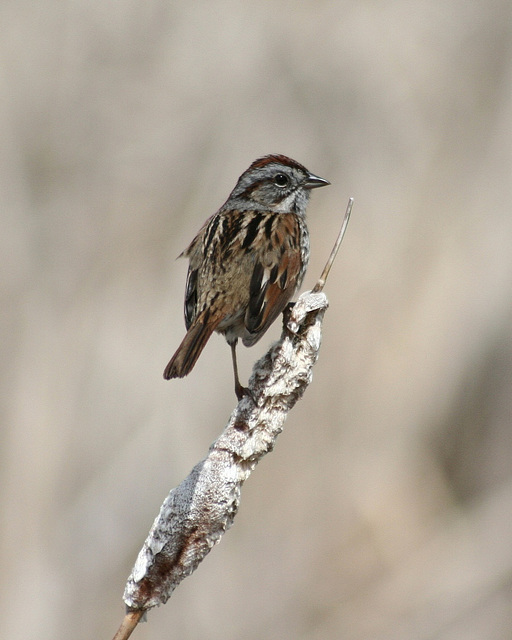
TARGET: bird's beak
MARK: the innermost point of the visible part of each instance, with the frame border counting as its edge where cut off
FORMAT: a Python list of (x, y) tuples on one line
[(312, 182)]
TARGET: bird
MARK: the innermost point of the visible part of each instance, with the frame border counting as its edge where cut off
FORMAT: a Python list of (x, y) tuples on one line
[(247, 261)]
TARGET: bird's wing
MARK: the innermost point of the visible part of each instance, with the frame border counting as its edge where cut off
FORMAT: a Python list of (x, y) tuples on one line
[(277, 274)]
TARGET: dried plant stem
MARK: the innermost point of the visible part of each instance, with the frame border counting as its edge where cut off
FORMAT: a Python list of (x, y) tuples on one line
[(321, 282), (130, 621)]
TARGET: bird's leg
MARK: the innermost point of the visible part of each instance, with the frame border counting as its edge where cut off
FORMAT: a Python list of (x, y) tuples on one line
[(239, 390)]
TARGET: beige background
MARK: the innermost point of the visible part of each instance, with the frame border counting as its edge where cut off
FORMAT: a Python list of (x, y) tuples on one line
[(385, 511)]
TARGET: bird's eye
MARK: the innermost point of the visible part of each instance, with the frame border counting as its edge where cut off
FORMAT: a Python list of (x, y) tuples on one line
[(281, 180)]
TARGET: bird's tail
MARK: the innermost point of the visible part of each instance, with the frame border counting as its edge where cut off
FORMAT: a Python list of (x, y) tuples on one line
[(183, 361)]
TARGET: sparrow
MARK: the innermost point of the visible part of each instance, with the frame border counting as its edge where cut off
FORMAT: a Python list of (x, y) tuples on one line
[(247, 261)]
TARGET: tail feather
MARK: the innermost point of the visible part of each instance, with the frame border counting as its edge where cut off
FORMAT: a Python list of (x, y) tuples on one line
[(183, 361)]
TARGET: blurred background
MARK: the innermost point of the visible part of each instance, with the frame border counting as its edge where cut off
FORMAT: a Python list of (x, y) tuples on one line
[(386, 509)]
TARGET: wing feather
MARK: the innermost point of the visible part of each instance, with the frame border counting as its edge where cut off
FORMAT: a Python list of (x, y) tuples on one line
[(277, 274)]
